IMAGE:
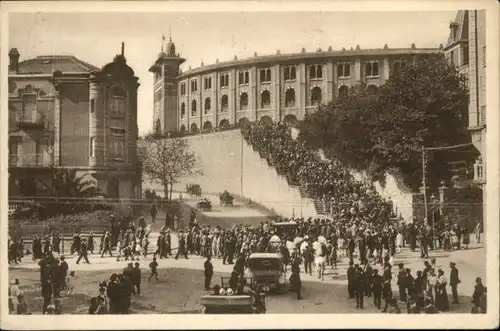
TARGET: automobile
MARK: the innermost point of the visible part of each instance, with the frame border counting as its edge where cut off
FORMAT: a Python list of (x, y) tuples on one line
[(204, 204), (226, 199), (267, 271), (225, 302), (193, 189), (280, 228)]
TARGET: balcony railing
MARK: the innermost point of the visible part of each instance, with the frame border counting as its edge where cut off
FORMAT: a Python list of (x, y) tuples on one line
[(32, 119), (31, 160)]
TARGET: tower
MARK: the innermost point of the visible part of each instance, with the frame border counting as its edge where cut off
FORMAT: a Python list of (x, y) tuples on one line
[(165, 70)]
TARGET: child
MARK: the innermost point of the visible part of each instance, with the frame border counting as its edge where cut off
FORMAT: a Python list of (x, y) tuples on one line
[(69, 282), (153, 266)]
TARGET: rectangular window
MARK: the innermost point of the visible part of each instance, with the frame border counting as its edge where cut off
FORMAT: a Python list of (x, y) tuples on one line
[(118, 146), (290, 73), (29, 108), (92, 147), (208, 83), (117, 107), (194, 86), (465, 56), (371, 69), (344, 70), (183, 88), (241, 78)]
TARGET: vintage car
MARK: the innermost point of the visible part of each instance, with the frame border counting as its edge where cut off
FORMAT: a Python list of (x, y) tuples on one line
[(193, 189), (226, 199), (280, 228), (267, 270), (232, 303), (204, 204)]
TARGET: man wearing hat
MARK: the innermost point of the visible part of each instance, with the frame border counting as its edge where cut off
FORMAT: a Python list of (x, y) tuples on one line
[(454, 281), (107, 245)]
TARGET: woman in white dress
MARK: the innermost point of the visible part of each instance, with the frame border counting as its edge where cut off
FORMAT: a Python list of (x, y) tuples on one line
[(399, 242)]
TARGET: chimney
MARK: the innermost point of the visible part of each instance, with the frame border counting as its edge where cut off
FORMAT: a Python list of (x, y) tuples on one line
[(14, 60)]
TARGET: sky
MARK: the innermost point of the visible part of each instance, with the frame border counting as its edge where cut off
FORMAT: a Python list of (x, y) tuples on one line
[(206, 36)]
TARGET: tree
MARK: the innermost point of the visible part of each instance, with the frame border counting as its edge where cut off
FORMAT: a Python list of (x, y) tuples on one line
[(165, 160), (424, 104)]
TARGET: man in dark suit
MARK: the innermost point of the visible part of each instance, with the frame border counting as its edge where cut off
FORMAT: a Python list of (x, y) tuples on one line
[(377, 287), (209, 272), (454, 281), (359, 286), (401, 283), (83, 252)]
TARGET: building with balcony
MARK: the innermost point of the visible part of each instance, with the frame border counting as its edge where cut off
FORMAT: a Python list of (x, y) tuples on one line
[(280, 87), (66, 113)]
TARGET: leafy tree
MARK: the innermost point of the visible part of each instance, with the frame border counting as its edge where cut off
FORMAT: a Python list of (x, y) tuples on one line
[(424, 104), (165, 160)]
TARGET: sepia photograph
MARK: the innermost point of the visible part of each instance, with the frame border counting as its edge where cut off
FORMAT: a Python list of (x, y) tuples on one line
[(260, 159)]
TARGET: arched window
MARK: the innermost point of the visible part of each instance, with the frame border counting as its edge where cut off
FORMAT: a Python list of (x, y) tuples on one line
[(290, 119), (265, 99), (224, 124), (247, 77), (193, 108), (315, 96), (207, 126), (243, 122), (208, 105), (183, 128), (194, 128), (343, 90), (183, 110), (268, 75), (262, 75), (372, 89), (241, 78), (224, 102), (290, 97), (243, 101), (119, 92)]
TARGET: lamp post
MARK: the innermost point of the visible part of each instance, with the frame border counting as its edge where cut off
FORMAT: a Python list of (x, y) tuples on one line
[(433, 202)]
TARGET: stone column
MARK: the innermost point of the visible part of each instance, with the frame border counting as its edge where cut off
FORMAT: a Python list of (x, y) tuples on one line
[(442, 197), (330, 94), (276, 92), (302, 92), (357, 70), (385, 70)]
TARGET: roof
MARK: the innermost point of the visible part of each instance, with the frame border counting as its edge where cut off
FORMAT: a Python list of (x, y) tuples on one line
[(461, 24), (47, 64), (319, 55), (265, 256)]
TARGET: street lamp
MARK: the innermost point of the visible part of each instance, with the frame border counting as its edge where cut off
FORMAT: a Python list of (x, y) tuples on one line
[(433, 202)]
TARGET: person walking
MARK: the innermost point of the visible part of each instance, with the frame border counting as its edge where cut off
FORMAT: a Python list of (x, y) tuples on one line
[(209, 272), (295, 281), (377, 288), (359, 286), (136, 279), (454, 281), (153, 266), (153, 212), (83, 252)]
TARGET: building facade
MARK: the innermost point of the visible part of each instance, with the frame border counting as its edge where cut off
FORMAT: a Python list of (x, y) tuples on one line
[(281, 87), (65, 113)]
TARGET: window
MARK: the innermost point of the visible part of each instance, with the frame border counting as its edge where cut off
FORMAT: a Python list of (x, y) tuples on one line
[(92, 147), (224, 80), (193, 108), (265, 75), (465, 56), (183, 110), (243, 101), (247, 77), (265, 101), (243, 77), (452, 58), (183, 88), (484, 56), (194, 85), (371, 69), (224, 103), (92, 105), (118, 146), (343, 91), (344, 70), (290, 97), (208, 105), (316, 72), (290, 73), (29, 107), (397, 66), (208, 83), (316, 96)]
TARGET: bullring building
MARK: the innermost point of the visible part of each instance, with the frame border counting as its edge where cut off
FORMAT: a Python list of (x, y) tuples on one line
[(280, 87)]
